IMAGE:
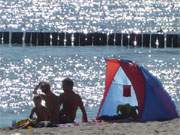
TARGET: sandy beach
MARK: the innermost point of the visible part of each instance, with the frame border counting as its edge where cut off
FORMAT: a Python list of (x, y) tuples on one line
[(171, 127)]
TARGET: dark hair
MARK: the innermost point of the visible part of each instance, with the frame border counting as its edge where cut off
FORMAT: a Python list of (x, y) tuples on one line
[(45, 86), (68, 81), (36, 98)]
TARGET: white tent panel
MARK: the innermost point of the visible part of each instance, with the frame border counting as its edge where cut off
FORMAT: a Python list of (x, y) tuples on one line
[(115, 95)]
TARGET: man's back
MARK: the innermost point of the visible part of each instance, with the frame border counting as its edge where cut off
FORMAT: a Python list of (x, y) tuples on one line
[(70, 102), (52, 105)]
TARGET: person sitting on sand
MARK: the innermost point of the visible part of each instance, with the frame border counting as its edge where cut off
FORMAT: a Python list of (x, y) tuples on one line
[(40, 111), (70, 102), (51, 101)]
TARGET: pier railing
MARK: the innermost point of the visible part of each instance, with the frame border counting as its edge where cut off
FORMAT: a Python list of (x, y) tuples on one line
[(149, 40)]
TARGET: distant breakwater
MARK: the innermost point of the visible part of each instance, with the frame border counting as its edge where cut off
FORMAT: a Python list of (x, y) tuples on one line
[(148, 40)]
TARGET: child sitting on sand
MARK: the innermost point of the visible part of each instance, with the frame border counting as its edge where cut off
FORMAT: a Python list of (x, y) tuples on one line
[(40, 111)]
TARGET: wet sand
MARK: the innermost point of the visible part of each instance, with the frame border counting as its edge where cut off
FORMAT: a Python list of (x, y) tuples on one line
[(171, 127)]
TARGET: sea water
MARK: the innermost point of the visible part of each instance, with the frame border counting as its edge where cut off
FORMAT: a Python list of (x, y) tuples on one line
[(90, 15), (21, 68)]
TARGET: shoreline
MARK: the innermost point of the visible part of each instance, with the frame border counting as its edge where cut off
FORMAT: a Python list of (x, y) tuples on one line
[(171, 127)]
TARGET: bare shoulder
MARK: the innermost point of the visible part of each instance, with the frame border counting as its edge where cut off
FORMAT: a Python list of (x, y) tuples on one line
[(78, 97)]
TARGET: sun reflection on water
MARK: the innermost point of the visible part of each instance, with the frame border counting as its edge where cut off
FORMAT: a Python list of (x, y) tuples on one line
[(90, 15)]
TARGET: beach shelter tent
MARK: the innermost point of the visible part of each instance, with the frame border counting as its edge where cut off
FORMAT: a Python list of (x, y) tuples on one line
[(127, 82)]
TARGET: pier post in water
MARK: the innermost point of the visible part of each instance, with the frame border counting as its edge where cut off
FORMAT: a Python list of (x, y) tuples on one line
[(72, 39), (122, 40), (111, 39), (114, 40), (107, 39), (30, 39), (135, 42), (76, 38), (150, 41), (142, 40), (61, 37), (128, 40), (99, 39), (65, 40), (68, 39), (10, 38), (16, 38), (157, 42), (2, 38), (172, 42), (118, 39), (178, 40), (54, 39), (165, 40), (23, 39), (125, 39), (92, 38), (51, 37)]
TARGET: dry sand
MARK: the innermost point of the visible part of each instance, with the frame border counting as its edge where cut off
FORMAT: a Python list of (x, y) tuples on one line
[(171, 127)]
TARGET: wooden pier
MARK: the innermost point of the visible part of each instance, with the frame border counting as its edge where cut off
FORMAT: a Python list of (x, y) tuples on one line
[(148, 40)]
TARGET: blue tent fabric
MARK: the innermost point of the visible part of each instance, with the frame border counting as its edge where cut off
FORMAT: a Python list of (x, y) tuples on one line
[(157, 104), (154, 103)]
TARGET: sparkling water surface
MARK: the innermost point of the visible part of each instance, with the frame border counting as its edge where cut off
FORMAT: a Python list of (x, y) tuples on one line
[(22, 68), (90, 15)]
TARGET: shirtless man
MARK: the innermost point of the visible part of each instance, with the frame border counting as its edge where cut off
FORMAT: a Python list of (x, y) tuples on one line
[(70, 102), (51, 101)]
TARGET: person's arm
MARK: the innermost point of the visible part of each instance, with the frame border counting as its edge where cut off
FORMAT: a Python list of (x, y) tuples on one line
[(60, 102), (84, 114), (32, 113)]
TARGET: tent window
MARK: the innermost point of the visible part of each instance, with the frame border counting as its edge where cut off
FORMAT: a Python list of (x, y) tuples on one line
[(126, 90)]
